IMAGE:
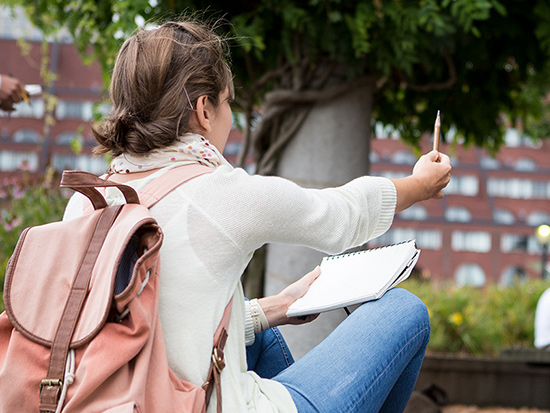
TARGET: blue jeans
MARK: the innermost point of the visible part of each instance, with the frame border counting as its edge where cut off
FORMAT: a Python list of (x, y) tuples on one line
[(369, 363)]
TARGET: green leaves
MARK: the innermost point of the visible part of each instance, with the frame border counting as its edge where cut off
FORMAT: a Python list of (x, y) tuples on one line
[(451, 55), (26, 203), (475, 321)]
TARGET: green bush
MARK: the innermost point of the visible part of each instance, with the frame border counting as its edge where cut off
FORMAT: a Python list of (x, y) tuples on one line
[(24, 203), (479, 321)]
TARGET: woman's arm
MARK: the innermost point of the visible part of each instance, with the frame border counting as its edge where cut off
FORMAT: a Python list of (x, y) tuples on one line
[(430, 175)]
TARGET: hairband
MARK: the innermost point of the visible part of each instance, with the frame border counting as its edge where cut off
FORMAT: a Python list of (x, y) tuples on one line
[(189, 100)]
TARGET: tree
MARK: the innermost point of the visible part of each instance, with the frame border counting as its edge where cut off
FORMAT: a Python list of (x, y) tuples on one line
[(330, 68), (423, 55)]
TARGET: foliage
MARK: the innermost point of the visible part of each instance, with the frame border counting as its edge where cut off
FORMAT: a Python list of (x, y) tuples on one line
[(469, 320), (26, 203), (425, 55)]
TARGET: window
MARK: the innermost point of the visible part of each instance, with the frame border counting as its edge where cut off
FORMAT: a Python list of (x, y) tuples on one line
[(470, 274), (541, 190), (74, 110), (425, 239), (13, 161), (511, 276), (503, 217), (392, 174), (489, 163), (382, 131), (67, 138), (476, 241), (26, 136), (5, 135), (81, 162), (458, 214), (512, 138), (428, 239), (525, 164), (404, 158), (414, 213), (518, 188), (513, 243), (34, 110), (373, 156), (15, 24), (537, 218), (463, 185)]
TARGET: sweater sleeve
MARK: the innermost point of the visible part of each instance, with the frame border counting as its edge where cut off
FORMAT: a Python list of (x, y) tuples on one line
[(249, 336), (255, 210)]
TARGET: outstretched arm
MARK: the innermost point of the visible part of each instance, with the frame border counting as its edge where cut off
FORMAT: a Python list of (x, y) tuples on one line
[(430, 175)]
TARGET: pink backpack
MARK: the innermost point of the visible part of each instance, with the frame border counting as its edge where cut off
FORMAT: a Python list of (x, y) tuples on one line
[(81, 330)]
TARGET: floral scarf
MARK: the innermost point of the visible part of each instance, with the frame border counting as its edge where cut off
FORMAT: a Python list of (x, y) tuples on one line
[(190, 148)]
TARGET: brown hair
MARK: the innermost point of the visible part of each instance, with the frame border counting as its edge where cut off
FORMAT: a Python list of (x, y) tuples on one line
[(158, 75)]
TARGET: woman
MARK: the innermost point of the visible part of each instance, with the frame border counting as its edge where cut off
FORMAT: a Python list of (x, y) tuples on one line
[(171, 91)]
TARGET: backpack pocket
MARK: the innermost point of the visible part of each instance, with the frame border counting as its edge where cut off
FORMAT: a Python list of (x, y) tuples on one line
[(129, 407)]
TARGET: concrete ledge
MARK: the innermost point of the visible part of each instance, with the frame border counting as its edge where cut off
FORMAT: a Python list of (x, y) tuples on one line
[(488, 381)]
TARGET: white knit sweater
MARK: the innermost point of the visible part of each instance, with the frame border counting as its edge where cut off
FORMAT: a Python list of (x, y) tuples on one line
[(212, 225)]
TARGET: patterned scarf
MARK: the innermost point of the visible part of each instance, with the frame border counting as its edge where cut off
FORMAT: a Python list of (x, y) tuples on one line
[(190, 148)]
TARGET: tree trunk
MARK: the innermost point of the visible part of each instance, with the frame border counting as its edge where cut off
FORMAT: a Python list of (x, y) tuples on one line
[(330, 149)]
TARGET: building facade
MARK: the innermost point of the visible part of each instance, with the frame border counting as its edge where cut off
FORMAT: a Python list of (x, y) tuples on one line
[(483, 230)]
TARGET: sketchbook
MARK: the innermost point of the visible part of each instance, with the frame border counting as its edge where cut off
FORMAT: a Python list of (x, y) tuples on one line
[(357, 277)]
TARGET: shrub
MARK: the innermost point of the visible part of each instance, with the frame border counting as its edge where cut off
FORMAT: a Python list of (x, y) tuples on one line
[(469, 320), (24, 203)]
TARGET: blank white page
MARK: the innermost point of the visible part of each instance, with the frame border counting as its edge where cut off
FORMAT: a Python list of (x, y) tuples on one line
[(355, 278)]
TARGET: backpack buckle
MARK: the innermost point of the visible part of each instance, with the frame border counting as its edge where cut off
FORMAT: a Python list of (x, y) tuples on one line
[(218, 360), (51, 383)]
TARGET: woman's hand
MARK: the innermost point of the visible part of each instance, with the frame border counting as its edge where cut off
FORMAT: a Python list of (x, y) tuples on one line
[(276, 306), (431, 173)]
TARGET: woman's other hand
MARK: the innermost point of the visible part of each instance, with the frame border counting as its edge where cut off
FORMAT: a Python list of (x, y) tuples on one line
[(276, 306)]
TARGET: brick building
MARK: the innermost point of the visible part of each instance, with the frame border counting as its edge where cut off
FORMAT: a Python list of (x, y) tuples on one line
[(482, 231)]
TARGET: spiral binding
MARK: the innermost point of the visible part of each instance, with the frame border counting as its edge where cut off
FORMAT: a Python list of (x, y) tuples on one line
[(349, 254)]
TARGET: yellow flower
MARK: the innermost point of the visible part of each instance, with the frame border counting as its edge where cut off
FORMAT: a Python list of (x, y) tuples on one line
[(456, 319)]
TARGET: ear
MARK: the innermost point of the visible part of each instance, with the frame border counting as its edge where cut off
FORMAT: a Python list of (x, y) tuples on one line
[(202, 115)]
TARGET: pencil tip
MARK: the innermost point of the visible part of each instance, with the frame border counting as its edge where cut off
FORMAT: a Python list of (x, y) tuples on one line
[(438, 113)]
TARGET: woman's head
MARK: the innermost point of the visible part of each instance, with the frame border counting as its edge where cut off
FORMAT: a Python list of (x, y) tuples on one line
[(158, 76)]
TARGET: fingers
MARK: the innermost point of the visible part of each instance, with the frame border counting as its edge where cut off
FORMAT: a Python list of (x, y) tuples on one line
[(312, 275), (12, 89), (6, 105), (433, 155)]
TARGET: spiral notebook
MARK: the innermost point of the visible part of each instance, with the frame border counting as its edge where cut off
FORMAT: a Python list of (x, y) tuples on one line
[(357, 277)]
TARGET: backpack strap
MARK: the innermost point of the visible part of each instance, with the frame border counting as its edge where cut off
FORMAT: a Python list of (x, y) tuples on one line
[(86, 183), (217, 363), (148, 196), (166, 183), (52, 386)]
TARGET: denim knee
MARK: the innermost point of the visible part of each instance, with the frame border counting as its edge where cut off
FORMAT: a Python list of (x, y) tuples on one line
[(414, 310)]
